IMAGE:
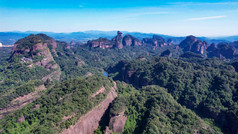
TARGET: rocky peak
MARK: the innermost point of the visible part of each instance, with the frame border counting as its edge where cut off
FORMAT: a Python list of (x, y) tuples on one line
[(222, 51), (118, 40), (129, 40), (119, 34), (36, 47), (191, 43), (101, 43), (188, 41), (158, 38), (212, 47), (155, 41)]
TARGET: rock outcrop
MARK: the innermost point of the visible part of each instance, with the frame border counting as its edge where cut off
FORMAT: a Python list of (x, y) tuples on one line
[(129, 40), (212, 47), (191, 43), (170, 42), (156, 41), (90, 121), (223, 50), (117, 122), (101, 43), (118, 40), (39, 48)]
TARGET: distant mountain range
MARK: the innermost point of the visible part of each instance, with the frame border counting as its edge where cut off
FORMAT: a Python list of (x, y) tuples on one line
[(9, 38)]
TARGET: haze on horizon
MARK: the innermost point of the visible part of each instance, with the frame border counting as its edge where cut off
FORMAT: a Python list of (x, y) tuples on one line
[(177, 18)]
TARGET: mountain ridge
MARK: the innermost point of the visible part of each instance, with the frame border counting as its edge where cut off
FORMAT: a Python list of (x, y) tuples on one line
[(11, 37)]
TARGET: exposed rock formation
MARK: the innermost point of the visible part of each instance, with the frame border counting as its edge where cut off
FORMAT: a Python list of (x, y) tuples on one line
[(118, 122), (101, 43), (170, 42), (129, 40), (212, 47), (22, 101), (118, 40), (21, 119), (39, 48), (223, 50), (90, 122), (155, 41), (191, 43)]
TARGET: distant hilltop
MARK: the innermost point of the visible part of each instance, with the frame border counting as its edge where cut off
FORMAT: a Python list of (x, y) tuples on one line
[(5, 45)]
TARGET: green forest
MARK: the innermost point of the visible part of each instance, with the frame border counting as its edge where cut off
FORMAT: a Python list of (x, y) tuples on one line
[(46, 86)]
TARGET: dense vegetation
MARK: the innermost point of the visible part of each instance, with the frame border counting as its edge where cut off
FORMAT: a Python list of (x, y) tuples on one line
[(100, 58), (21, 90), (152, 110), (207, 86), (71, 97), (182, 94)]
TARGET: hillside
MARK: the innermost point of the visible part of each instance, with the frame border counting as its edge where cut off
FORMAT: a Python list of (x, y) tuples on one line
[(208, 87), (154, 86)]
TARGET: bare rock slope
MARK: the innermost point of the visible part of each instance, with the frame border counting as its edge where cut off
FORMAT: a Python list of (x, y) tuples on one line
[(90, 121)]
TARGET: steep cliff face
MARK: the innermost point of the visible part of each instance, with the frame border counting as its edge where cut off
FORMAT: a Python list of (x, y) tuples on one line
[(90, 121), (129, 40), (118, 40), (37, 50), (156, 41), (191, 43), (223, 50), (117, 122), (101, 43), (212, 47)]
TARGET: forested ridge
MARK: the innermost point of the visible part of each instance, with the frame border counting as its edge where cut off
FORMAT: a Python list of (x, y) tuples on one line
[(209, 87), (47, 85)]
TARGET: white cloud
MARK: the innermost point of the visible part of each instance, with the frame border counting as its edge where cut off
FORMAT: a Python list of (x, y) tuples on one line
[(205, 18)]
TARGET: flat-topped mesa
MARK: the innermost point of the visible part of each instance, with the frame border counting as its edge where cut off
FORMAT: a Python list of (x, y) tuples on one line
[(191, 43), (156, 41)]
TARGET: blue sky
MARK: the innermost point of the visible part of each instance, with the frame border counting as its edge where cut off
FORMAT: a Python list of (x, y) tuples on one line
[(179, 18)]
